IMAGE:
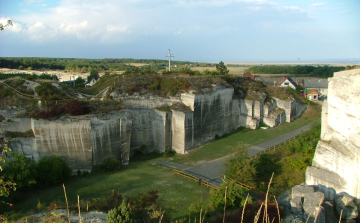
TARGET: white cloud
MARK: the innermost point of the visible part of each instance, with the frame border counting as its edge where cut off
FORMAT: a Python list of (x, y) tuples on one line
[(116, 28), (318, 4)]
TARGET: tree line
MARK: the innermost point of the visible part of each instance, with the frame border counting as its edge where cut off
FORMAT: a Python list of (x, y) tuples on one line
[(315, 71), (86, 65)]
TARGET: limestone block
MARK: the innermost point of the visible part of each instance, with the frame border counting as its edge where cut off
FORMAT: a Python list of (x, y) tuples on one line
[(296, 206), (301, 190), (284, 202), (178, 132), (269, 106), (329, 180), (346, 204), (335, 159), (25, 146), (247, 107), (312, 207), (258, 109)]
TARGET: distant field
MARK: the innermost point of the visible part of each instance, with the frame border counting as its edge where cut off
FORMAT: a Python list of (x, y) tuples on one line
[(137, 64), (233, 70)]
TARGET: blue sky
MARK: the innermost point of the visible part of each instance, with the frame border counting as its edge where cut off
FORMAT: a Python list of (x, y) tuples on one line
[(194, 30)]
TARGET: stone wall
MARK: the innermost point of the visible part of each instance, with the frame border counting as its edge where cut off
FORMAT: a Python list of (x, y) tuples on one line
[(336, 164)]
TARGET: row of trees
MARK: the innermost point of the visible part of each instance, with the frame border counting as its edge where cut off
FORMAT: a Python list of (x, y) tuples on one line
[(316, 71), (86, 65)]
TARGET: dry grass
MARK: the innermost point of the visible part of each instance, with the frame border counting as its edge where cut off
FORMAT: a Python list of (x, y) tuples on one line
[(137, 64), (233, 70)]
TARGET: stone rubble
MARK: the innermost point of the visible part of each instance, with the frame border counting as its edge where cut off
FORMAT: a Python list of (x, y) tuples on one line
[(306, 203)]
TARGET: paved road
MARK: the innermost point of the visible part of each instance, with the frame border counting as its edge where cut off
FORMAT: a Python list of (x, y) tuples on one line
[(211, 170)]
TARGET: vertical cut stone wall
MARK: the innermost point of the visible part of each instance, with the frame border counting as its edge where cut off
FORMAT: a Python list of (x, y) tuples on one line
[(336, 164)]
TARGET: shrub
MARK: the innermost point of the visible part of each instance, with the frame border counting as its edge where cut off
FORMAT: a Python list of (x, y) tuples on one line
[(51, 112), (121, 214), (169, 152), (110, 164), (19, 169), (76, 107), (52, 170), (233, 196)]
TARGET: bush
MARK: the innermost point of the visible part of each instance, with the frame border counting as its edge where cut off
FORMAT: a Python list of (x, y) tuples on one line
[(110, 164), (52, 170), (234, 195), (169, 152), (51, 112), (121, 214), (19, 169), (76, 107)]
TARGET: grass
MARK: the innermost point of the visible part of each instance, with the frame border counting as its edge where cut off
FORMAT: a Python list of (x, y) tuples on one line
[(176, 193), (228, 144), (104, 82), (233, 70)]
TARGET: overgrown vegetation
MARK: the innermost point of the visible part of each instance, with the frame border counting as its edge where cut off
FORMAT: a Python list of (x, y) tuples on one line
[(28, 174), (27, 76), (110, 164), (288, 162), (26, 134)]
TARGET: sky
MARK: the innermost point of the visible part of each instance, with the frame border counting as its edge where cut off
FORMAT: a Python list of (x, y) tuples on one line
[(194, 30)]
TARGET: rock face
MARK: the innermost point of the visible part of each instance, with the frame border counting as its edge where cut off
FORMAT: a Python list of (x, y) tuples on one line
[(195, 120), (336, 164), (308, 204)]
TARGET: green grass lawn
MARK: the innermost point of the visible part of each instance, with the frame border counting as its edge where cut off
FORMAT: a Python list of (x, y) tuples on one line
[(246, 137), (175, 192)]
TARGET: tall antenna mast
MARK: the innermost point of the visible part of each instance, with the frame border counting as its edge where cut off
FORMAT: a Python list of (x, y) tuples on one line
[(169, 55)]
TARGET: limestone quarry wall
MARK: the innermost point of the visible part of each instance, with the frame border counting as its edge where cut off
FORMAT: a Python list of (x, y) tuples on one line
[(150, 128), (336, 164), (70, 140), (110, 137), (293, 109), (19, 125), (213, 114), (86, 140)]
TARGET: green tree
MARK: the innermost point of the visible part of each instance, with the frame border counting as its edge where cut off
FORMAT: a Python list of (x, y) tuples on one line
[(5, 185), (79, 82), (52, 170), (93, 74), (240, 168), (222, 69), (234, 195), (20, 170)]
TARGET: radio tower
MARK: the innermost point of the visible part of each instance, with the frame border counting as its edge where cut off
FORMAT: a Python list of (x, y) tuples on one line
[(169, 55)]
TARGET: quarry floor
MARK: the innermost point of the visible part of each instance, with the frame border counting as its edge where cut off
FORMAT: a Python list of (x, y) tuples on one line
[(212, 171)]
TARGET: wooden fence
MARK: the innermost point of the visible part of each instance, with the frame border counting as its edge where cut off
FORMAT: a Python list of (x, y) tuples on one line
[(18, 92), (273, 147), (196, 179)]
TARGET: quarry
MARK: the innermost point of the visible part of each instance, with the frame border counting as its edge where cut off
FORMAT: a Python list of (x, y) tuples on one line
[(201, 110)]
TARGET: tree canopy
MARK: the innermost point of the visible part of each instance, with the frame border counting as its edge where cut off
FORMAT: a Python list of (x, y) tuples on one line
[(222, 69)]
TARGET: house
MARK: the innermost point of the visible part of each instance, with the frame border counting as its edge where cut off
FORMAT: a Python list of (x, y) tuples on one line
[(286, 82), (318, 84), (248, 74), (313, 95), (92, 82)]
